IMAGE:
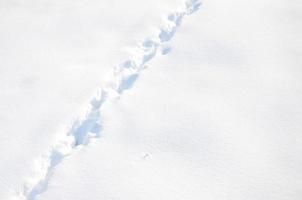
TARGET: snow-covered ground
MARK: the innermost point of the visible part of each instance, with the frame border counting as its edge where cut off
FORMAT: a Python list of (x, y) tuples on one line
[(53, 56), (204, 102)]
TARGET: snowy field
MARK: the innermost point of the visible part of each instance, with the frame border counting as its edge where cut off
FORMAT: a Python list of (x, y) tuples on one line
[(148, 100)]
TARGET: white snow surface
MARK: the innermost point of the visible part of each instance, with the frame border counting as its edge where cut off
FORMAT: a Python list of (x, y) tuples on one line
[(151, 100), (53, 56)]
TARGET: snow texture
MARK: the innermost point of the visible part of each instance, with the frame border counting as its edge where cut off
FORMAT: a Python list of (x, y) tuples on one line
[(88, 127), (207, 105)]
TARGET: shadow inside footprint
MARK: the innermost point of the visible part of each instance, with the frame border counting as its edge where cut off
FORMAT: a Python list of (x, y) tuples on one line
[(193, 5), (166, 50), (175, 18), (127, 83), (166, 35)]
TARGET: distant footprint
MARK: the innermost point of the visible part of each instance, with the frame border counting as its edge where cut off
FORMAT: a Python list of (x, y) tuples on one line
[(127, 83), (165, 50)]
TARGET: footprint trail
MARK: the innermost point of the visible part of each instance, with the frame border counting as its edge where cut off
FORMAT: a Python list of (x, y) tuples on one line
[(89, 126)]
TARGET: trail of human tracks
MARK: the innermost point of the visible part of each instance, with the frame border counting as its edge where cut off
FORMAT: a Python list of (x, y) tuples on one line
[(88, 127)]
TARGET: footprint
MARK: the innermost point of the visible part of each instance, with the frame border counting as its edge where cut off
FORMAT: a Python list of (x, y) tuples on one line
[(128, 64), (175, 18), (127, 83), (165, 50), (192, 6), (166, 34)]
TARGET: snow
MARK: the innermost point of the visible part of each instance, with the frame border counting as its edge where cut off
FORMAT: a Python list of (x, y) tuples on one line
[(203, 104), (54, 54)]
